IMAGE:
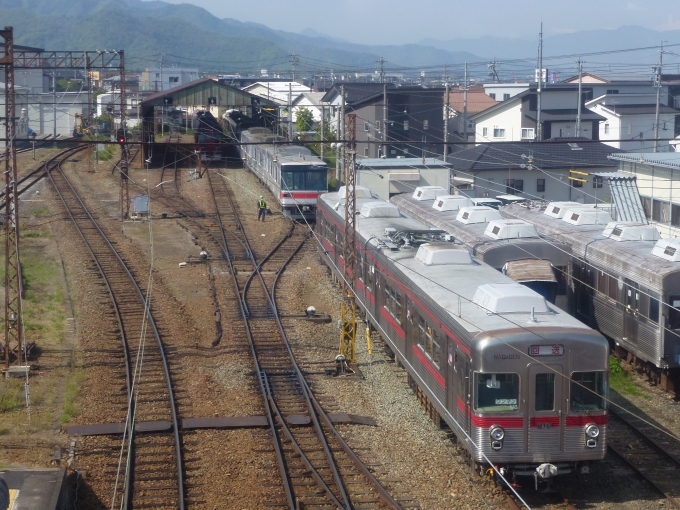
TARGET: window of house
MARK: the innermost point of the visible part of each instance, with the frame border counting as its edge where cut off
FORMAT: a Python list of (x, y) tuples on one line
[(426, 124), (377, 125), (597, 182), (630, 129), (612, 91), (540, 185), (367, 126), (174, 79), (366, 152), (528, 133), (405, 125), (424, 139), (485, 132), (577, 183), (606, 129), (498, 132), (492, 95), (519, 185)]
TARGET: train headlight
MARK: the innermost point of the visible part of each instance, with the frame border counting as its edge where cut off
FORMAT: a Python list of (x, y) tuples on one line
[(497, 433), (592, 431)]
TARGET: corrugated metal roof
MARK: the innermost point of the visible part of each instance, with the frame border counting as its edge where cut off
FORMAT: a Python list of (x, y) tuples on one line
[(626, 197), (663, 159)]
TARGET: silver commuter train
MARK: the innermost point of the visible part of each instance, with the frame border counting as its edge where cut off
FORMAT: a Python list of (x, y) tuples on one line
[(620, 276), (522, 384), (292, 173)]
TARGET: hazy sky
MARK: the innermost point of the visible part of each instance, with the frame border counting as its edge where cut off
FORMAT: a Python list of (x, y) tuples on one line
[(406, 21)]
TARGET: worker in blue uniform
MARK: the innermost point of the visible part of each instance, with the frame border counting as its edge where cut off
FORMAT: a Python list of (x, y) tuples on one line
[(261, 208)]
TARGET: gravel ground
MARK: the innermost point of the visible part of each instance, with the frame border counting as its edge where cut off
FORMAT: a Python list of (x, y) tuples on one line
[(231, 469)]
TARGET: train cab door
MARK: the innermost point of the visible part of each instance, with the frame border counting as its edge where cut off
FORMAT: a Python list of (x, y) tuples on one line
[(545, 409), (631, 296)]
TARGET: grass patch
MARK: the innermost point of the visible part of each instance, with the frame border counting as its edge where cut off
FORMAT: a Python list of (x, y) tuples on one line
[(33, 234), (623, 382), (41, 212), (74, 384), (11, 394)]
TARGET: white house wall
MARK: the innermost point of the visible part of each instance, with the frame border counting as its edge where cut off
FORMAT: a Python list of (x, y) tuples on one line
[(381, 186), (507, 117)]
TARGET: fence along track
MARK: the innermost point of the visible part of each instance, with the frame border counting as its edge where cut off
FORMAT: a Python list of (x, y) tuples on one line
[(157, 482), (311, 465), (657, 462)]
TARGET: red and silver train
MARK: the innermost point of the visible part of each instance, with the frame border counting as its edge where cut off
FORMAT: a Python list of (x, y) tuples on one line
[(292, 173), (521, 383)]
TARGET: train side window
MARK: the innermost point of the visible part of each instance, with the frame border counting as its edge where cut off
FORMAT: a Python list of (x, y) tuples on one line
[(422, 336), (545, 392), (673, 314), (613, 288), (496, 392), (561, 277), (588, 391), (436, 349), (603, 282), (654, 307)]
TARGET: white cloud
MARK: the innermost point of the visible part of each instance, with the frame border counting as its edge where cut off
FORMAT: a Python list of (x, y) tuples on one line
[(632, 7)]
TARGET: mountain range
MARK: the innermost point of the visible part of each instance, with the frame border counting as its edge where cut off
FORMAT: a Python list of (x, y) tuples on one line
[(189, 35)]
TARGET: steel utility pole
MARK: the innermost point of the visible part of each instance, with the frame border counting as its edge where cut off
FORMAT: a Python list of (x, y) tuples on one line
[(381, 67), (493, 72), (125, 155), (14, 327), (348, 313), (657, 84), (323, 120), (446, 123), (342, 131), (539, 129), (54, 107), (386, 149), (290, 112), (294, 62), (580, 100), (465, 91)]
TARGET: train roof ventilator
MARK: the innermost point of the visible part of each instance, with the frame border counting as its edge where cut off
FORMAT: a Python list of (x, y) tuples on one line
[(451, 203), (442, 254), (509, 298), (510, 229), (477, 214), (667, 249), (631, 231), (429, 192)]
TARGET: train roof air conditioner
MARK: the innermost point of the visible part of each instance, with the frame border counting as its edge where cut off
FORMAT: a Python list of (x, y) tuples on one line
[(362, 192), (631, 231), (510, 229), (667, 249), (509, 298), (429, 192), (477, 214), (439, 254), (380, 209), (587, 217), (559, 209), (451, 202)]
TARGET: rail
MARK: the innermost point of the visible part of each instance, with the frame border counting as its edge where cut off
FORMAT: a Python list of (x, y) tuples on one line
[(119, 280)]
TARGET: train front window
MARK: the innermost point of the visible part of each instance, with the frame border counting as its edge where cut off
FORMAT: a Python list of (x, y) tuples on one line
[(496, 392), (304, 177), (588, 391), (545, 392)]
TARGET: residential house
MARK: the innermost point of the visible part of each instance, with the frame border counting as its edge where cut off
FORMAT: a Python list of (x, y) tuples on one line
[(552, 171), (415, 120), (477, 100), (389, 177), (158, 79), (632, 117), (504, 91), (515, 118), (281, 92), (658, 181), (312, 102)]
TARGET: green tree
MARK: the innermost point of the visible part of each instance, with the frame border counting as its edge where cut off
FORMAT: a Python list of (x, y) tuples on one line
[(305, 120)]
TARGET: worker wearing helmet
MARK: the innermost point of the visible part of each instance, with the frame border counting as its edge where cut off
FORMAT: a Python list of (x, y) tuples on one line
[(261, 208)]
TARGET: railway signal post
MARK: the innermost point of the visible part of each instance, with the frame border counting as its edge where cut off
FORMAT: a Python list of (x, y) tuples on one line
[(348, 313)]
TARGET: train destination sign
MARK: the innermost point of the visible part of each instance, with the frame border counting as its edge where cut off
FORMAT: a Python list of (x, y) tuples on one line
[(546, 350)]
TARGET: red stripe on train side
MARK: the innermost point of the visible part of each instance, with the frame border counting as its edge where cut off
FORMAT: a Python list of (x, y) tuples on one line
[(370, 297), (328, 245), (430, 368), (581, 421), (288, 194), (393, 323), (505, 422), (465, 349), (553, 421)]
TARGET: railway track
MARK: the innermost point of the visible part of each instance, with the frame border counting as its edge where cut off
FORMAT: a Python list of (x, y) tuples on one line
[(317, 467), (154, 474), (653, 455)]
